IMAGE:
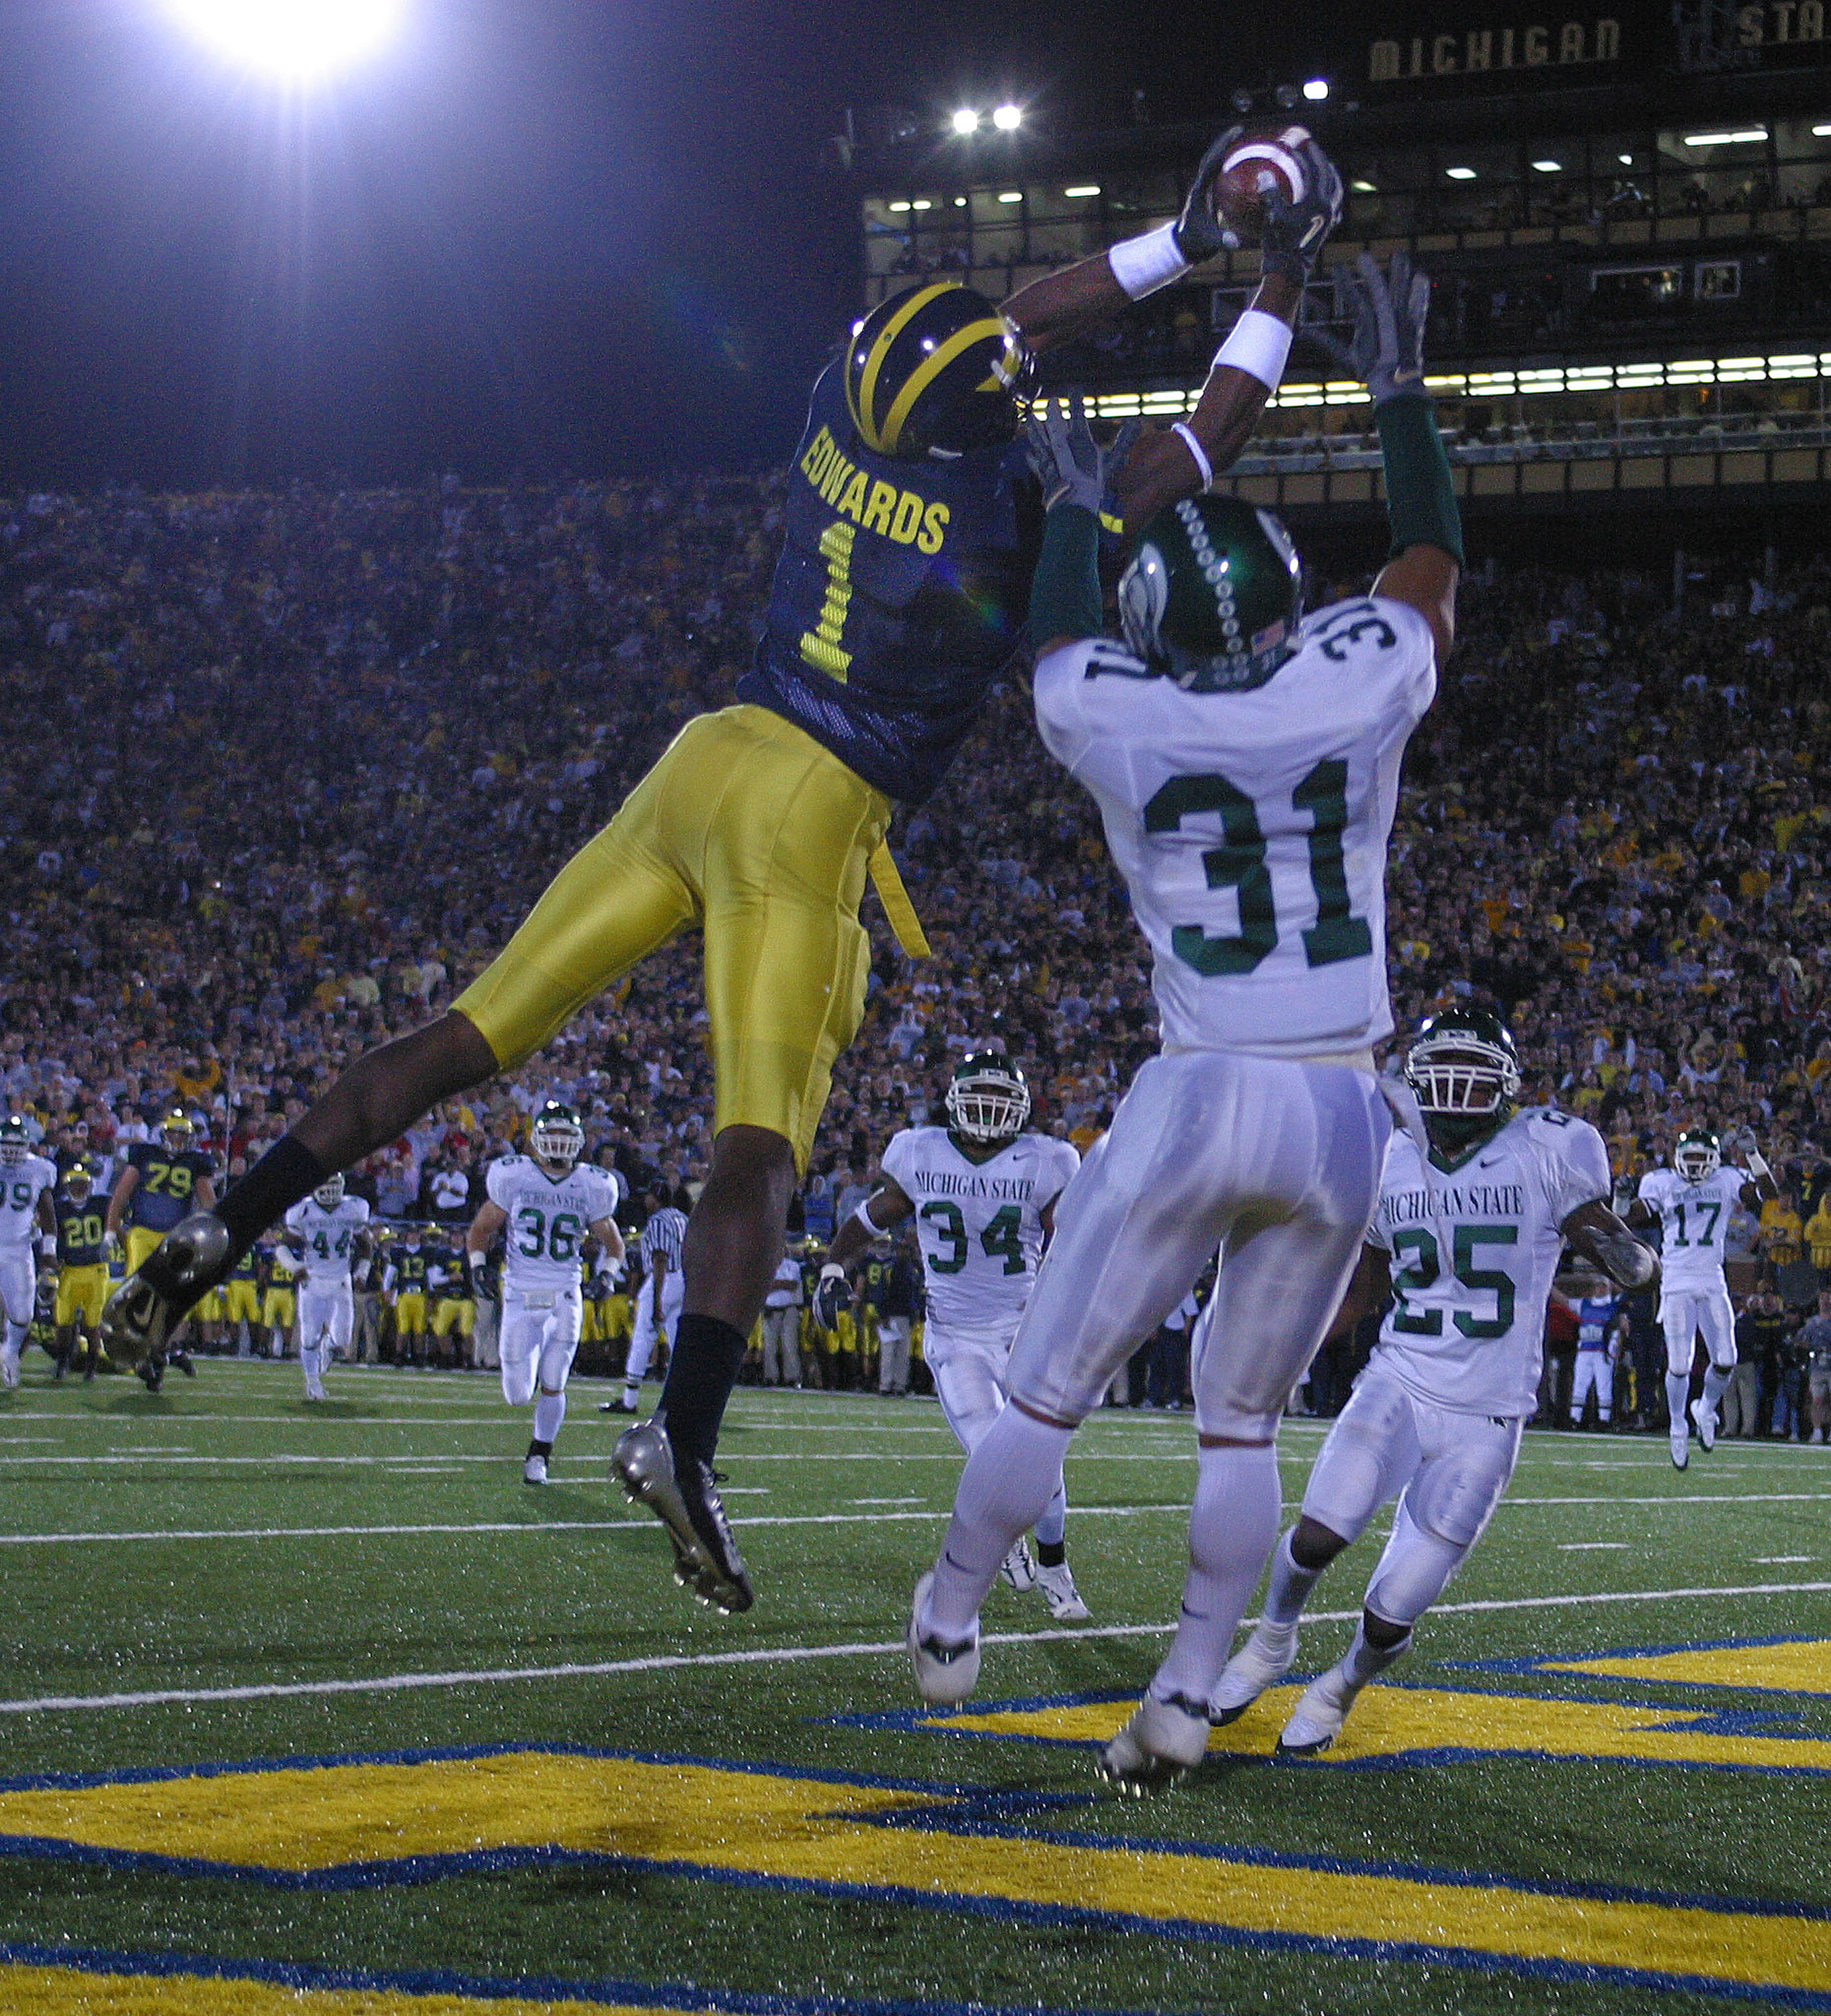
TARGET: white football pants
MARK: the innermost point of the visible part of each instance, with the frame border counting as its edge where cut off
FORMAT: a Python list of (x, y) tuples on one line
[(1684, 1312), (18, 1286), (968, 1369), (327, 1318), (1275, 1165), (1452, 1467), (1594, 1374), (642, 1343), (539, 1339)]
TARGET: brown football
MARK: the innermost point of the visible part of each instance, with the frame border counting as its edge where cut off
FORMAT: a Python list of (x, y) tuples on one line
[(1263, 162)]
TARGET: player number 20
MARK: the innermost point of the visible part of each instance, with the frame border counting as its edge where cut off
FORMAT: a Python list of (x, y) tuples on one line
[(1239, 864)]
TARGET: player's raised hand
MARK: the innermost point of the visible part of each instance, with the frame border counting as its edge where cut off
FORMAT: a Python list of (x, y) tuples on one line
[(1072, 466), (832, 1296), (1199, 232), (1292, 235), (1390, 311)]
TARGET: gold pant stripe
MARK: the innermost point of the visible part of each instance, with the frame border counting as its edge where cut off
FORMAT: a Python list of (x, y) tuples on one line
[(887, 880)]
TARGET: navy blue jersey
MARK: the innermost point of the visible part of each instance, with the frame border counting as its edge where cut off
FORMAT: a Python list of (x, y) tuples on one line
[(167, 1185), (899, 596), (80, 1229)]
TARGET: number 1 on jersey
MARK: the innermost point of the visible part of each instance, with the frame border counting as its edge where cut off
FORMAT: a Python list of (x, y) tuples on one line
[(820, 646)]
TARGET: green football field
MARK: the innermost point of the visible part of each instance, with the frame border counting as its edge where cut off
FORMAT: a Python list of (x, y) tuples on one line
[(323, 1710)]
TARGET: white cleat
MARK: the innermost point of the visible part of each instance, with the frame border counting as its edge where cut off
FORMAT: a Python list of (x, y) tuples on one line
[(1316, 1720), (1163, 1740), (1705, 1416), (945, 1675), (1057, 1584), (1679, 1443), (534, 1471), (1261, 1662), (314, 1390), (1019, 1570)]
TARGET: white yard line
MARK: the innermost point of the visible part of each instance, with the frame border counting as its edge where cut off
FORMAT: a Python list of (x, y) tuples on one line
[(784, 1655)]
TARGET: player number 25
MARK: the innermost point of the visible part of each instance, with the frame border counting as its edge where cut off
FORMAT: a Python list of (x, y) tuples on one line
[(1423, 1265), (1239, 863)]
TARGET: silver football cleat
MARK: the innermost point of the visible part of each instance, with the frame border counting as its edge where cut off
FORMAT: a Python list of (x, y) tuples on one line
[(706, 1562), (945, 1675), (1163, 1740), (144, 1311)]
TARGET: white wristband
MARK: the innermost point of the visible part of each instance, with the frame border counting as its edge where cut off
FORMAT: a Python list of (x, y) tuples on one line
[(1186, 434), (863, 1215), (1758, 1164), (48, 1246), (1153, 260), (1258, 344)]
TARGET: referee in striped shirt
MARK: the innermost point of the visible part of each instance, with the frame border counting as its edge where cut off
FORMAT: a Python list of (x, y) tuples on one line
[(662, 1289)]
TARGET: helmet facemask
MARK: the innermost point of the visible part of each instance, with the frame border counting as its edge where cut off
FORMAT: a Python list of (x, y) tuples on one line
[(330, 1193), (1697, 1157), (1464, 1085), (15, 1143), (987, 1106), (557, 1137)]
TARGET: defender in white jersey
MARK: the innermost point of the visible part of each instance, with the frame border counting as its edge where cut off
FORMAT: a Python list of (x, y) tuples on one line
[(1246, 763), (983, 1193), (1691, 1203), (542, 1206), (27, 1183), (1471, 1224), (329, 1232)]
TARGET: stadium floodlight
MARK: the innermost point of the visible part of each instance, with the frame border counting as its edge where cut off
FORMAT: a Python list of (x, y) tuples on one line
[(1083, 188), (1742, 136), (1822, 130), (1548, 168), (1010, 196), (1316, 90), (295, 41), (965, 120), (1362, 187), (1008, 118), (1460, 175)]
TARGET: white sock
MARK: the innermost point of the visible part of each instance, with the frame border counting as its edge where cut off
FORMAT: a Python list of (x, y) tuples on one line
[(1677, 1392), (1364, 1661), (1716, 1385), (1231, 1531), (1289, 1589), (1008, 1482), (549, 1411), (16, 1333)]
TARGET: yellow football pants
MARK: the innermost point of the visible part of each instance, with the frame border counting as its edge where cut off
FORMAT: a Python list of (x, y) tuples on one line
[(81, 1293), (241, 1301), (141, 1241), (748, 827)]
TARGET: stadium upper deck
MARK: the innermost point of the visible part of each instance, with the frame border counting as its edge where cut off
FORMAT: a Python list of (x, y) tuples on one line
[(1627, 219)]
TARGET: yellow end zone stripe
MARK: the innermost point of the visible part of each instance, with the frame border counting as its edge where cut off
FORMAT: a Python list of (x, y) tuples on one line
[(1392, 1721), (63, 1990), (1802, 1666), (730, 1823)]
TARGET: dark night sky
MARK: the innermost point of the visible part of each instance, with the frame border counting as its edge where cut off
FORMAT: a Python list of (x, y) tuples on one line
[(593, 236)]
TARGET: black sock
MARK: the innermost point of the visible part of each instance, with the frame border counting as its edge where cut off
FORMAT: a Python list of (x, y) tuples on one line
[(1051, 1553), (288, 1172), (537, 1447), (704, 1368)]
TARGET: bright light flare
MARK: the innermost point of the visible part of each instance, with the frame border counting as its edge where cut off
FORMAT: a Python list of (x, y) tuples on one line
[(1008, 118), (965, 120), (296, 41)]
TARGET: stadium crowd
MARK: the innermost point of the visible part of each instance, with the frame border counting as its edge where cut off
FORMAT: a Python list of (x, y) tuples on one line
[(283, 771)]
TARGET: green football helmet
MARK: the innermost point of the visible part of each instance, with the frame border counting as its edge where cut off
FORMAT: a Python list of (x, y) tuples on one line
[(557, 1136), (1698, 1156), (1213, 595), (936, 370), (988, 1101), (16, 1143), (1462, 1065), (330, 1193)]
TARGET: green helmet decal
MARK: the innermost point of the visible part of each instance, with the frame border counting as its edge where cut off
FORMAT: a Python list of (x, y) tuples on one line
[(1214, 595)]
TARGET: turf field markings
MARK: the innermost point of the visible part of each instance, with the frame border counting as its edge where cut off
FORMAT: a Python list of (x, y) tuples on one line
[(889, 1501), (1592, 1546), (782, 1655), (1781, 1560)]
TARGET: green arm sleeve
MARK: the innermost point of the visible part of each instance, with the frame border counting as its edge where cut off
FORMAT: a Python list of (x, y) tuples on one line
[(1065, 594), (1420, 495)]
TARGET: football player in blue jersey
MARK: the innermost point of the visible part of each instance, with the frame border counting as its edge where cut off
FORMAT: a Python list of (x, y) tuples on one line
[(898, 599)]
